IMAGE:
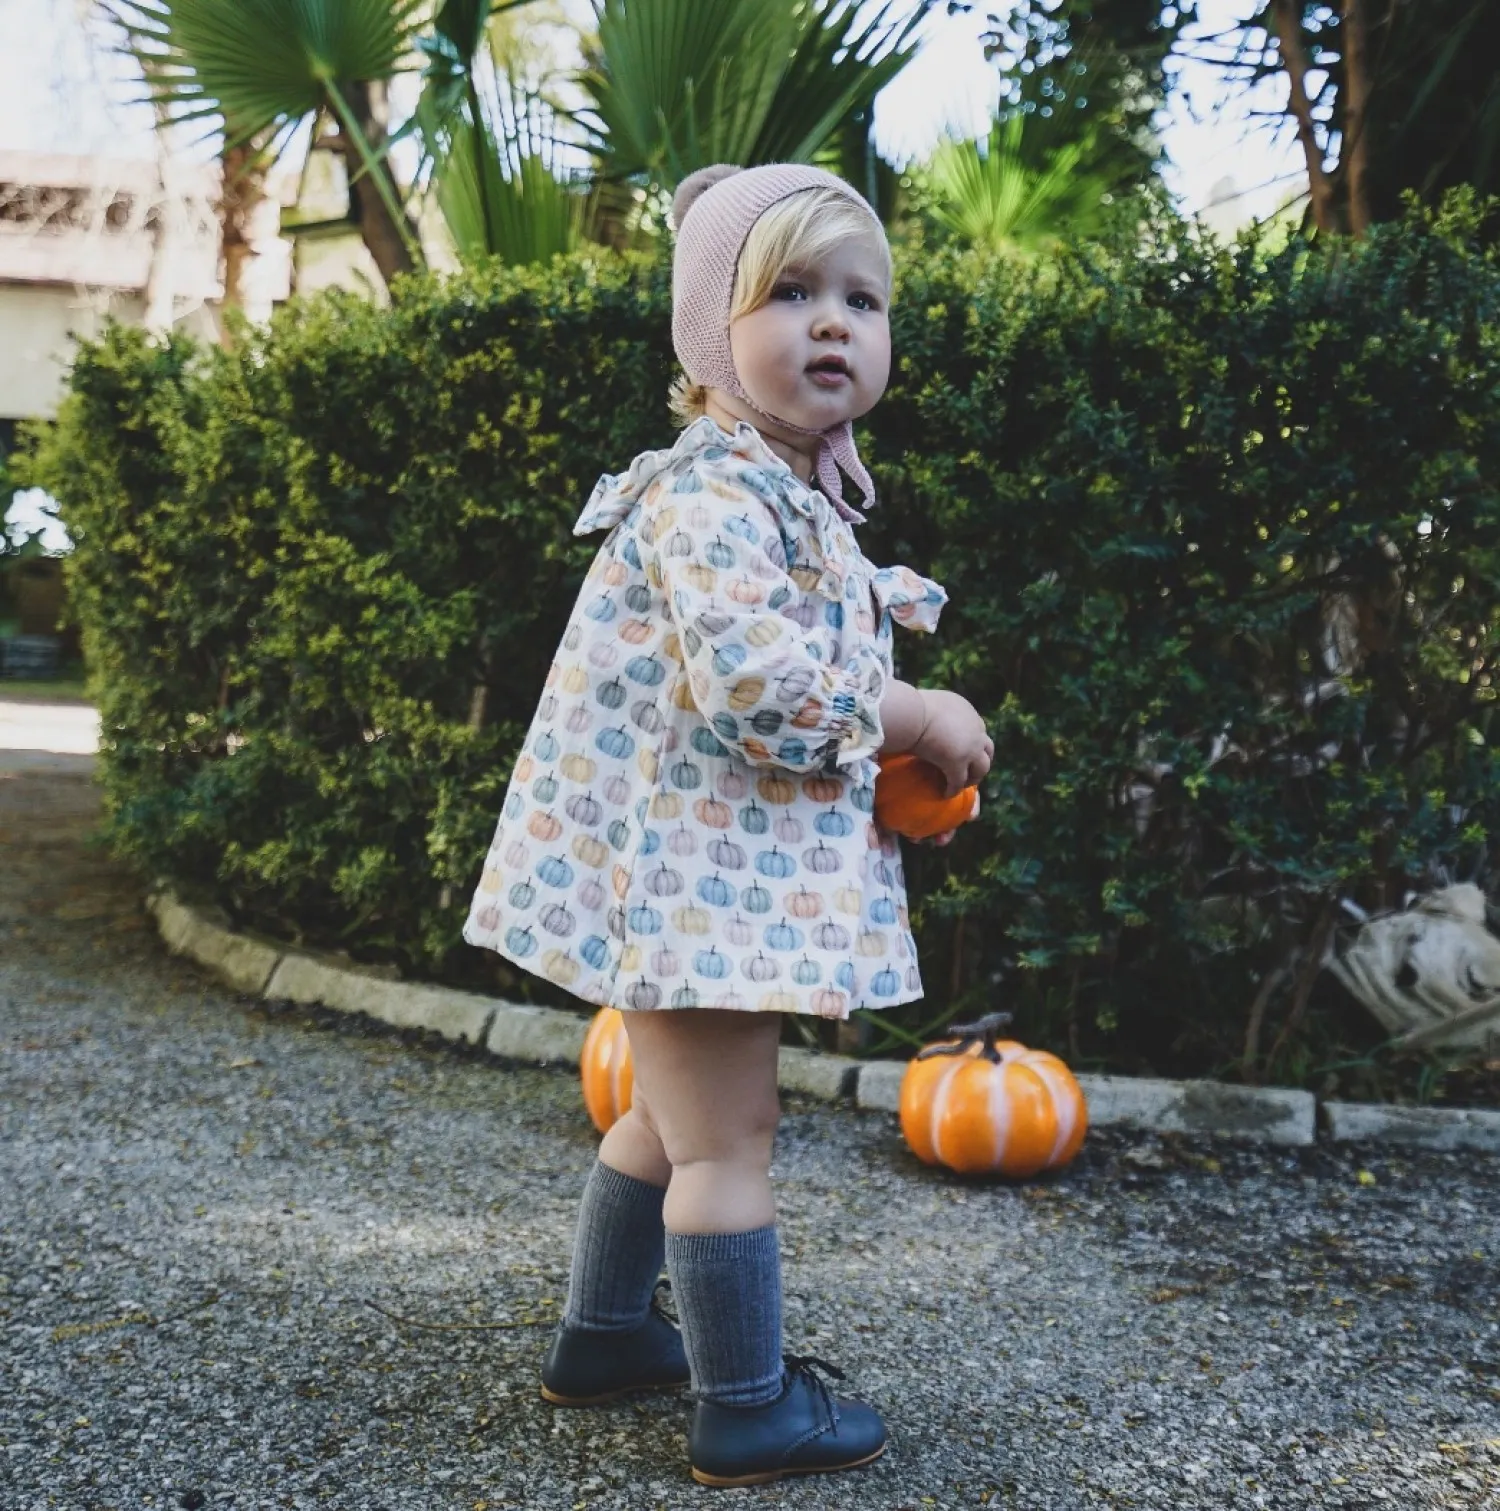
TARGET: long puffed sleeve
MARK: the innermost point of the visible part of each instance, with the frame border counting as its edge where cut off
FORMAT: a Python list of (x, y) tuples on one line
[(776, 666)]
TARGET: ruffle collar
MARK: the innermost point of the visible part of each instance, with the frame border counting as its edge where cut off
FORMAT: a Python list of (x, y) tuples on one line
[(912, 600)]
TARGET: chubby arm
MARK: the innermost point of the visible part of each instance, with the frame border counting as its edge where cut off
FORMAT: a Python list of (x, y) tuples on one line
[(757, 644), (903, 716)]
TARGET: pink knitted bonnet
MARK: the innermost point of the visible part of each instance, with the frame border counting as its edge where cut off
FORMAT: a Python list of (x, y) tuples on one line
[(715, 209)]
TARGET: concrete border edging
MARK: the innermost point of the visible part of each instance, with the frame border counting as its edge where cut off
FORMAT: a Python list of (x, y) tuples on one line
[(245, 964), (547, 1036), (1268, 1114), (1424, 1127)]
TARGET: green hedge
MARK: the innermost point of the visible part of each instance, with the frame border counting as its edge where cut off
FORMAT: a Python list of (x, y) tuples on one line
[(1221, 531)]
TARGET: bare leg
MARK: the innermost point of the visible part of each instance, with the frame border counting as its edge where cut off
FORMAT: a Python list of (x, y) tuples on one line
[(633, 1148), (709, 1082)]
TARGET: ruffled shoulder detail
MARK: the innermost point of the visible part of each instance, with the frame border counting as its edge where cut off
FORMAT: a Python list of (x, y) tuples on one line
[(617, 494), (912, 600)]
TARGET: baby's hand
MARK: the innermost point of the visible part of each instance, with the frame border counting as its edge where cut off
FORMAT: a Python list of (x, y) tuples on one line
[(955, 740), (946, 836)]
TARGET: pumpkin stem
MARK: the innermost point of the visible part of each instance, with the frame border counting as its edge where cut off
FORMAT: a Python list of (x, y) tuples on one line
[(987, 1028)]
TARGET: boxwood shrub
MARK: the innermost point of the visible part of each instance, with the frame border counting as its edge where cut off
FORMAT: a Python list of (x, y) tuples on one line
[(1221, 529)]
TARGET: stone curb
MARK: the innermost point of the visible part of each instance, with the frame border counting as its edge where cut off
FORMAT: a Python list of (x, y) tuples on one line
[(1269, 1115), (259, 967), (1427, 1127)]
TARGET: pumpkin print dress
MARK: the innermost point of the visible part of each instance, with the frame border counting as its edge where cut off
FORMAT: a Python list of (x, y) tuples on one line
[(690, 820)]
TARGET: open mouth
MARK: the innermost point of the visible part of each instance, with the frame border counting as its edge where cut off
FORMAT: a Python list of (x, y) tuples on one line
[(829, 367)]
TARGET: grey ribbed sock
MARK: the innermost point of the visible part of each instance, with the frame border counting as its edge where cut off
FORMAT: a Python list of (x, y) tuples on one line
[(617, 1254), (727, 1288)]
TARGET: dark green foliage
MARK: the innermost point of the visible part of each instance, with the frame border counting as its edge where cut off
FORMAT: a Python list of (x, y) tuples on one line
[(348, 546), (1151, 478)]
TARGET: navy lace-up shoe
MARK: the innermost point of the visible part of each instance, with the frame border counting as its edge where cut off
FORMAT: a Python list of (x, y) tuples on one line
[(586, 1368), (806, 1430)]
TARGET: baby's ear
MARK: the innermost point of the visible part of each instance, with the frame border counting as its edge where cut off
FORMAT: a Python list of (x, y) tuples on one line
[(695, 185)]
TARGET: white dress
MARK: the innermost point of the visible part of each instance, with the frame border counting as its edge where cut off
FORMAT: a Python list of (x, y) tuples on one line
[(689, 822)]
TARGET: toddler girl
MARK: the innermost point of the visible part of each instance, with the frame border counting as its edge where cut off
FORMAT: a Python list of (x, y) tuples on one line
[(688, 832)]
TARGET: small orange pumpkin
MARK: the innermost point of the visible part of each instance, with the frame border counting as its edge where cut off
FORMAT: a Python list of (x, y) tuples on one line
[(909, 798), (608, 1072), (984, 1105)]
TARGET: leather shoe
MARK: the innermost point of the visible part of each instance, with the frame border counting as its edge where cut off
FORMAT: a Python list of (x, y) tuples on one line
[(805, 1430), (587, 1368)]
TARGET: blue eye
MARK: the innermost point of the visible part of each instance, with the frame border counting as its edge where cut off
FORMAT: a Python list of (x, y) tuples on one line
[(863, 302), (789, 291)]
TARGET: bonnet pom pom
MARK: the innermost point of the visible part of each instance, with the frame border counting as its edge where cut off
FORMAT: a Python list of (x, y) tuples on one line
[(695, 185)]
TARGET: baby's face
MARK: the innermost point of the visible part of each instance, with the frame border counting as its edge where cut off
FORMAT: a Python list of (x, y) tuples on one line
[(819, 351)]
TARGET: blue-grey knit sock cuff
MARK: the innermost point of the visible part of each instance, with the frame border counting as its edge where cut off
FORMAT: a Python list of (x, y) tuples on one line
[(710, 1248), (628, 1191)]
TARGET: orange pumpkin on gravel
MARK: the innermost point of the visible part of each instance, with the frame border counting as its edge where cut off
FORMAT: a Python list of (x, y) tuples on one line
[(608, 1074), (983, 1105), (909, 798)]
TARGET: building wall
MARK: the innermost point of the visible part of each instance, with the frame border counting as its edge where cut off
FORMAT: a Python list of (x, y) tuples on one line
[(37, 324), (83, 238)]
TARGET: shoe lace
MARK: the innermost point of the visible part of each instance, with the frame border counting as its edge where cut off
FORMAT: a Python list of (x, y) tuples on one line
[(810, 1366)]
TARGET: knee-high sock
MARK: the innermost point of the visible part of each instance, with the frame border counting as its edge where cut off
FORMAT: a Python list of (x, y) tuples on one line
[(727, 1287), (618, 1251)]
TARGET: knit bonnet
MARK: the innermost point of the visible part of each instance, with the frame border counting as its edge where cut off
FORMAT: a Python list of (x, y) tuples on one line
[(715, 209)]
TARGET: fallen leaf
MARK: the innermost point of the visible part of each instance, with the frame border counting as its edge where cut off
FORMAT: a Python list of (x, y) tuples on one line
[(1172, 1292)]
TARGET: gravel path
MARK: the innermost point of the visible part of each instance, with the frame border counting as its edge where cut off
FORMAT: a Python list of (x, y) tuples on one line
[(203, 1205)]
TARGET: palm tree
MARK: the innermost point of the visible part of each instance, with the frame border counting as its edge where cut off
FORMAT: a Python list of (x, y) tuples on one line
[(670, 85), (261, 68)]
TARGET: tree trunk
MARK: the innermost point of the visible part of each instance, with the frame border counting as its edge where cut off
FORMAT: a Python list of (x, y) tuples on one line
[(1356, 147), (1288, 16), (242, 188), (389, 242)]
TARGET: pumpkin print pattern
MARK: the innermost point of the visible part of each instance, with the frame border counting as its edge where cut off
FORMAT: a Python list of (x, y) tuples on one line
[(690, 821)]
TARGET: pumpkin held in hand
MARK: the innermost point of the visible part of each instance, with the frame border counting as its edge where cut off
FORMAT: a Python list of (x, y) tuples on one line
[(984, 1105), (608, 1074), (909, 798)]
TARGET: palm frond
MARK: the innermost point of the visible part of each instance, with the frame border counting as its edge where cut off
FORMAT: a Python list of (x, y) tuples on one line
[(677, 84), (526, 213), (994, 192), (261, 64), (499, 182), (836, 69)]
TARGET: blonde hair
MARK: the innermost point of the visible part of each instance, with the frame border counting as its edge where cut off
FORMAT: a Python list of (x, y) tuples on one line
[(797, 231)]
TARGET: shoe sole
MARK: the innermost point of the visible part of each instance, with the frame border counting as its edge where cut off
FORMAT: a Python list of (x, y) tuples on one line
[(609, 1395), (732, 1482)]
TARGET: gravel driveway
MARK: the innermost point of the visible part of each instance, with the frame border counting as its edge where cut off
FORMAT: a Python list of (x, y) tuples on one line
[(212, 1216)]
